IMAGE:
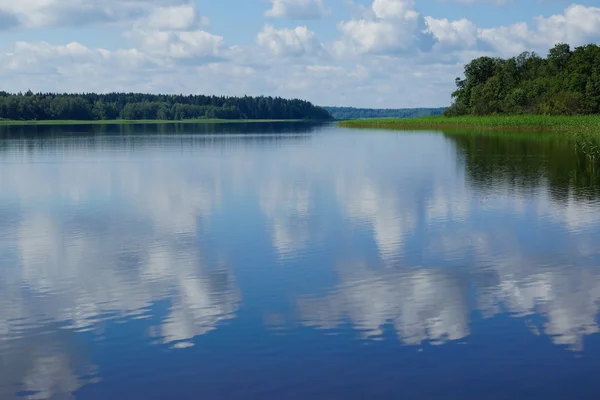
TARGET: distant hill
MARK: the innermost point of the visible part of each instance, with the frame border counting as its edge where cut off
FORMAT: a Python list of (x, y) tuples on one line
[(360, 113)]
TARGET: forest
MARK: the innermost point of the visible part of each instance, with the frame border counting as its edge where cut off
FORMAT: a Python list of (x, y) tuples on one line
[(344, 113), (135, 106), (566, 82)]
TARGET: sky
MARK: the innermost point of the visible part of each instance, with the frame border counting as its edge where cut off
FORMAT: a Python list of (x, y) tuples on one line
[(360, 53)]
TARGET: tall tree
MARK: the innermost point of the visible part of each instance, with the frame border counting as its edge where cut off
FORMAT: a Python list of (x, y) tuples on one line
[(565, 83)]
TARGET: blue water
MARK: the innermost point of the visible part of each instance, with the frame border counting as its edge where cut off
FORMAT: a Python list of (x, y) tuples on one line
[(296, 261)]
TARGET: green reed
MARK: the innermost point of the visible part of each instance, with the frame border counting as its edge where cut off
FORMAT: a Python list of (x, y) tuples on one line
[(584, 123)]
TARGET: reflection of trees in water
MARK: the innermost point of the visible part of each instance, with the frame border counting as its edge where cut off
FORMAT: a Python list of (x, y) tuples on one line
[(136, 143), (40, 139), (56, 131), (564, 163)]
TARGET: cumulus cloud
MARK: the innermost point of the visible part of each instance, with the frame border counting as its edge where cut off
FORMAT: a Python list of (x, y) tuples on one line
[(175, 33), (461, 33), (387, 55), (198, 45), (497, 2), (290, 42), (577, 25), (182, 17), (43, 57), (167, 28), (161, 39), (51, 13), (394, 27), (297, 9)]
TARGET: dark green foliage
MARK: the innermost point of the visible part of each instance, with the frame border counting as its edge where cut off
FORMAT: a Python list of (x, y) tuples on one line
[(567, 82), (135, 106), (344, 113)]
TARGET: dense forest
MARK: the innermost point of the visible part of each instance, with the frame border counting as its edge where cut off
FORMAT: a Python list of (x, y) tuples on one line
[(566, 82), (343, 113), (136, 106)]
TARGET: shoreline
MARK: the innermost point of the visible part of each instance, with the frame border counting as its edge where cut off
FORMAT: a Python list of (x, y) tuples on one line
[(540, 123), (146, 122)]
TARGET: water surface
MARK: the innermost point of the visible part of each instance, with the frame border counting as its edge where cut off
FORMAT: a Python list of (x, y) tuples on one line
[(296, 261)]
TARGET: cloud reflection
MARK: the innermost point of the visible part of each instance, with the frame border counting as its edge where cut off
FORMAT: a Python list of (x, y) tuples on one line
[(523, 251), (43, 366), (422, 305), (93, 241), (286, 207)]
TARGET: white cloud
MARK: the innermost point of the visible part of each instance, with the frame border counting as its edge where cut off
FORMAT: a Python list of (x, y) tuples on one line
[(182, 45), (289, 42), (577, 25), (181, 17), (393, 27), (51, 13), (461, 33), (497, 2), (51, 60), (387, 55), (297, 9), (174, 32), (163, 37), (164, 62), (398, 10)]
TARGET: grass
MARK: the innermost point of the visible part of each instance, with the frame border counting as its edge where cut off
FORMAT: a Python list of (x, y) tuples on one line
[(587, 123), (133, 122)]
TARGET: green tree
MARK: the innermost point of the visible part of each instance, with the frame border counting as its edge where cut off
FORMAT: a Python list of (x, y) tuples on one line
[(565, 83)]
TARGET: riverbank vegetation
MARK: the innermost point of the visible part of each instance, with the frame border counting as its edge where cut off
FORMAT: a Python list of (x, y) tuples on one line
[(527, 92), (135, 107), (346, 113), (588, 123)]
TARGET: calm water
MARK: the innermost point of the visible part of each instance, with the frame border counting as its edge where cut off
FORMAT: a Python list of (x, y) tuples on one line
[(295, 261)]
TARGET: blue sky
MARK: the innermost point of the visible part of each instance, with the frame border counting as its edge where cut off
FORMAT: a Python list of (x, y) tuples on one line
[(365, 53)]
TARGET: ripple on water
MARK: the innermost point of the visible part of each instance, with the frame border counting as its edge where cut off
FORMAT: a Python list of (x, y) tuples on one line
[(112, 257)]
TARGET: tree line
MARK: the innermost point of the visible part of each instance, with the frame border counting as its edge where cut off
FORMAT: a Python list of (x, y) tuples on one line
[(566, 82), (345, 113), (136, 106)]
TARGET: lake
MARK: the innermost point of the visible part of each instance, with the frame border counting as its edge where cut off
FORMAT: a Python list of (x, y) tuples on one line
[(296, 261)]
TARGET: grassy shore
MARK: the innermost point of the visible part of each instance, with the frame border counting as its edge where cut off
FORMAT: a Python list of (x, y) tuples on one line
[(588, 123), (149, 121)]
